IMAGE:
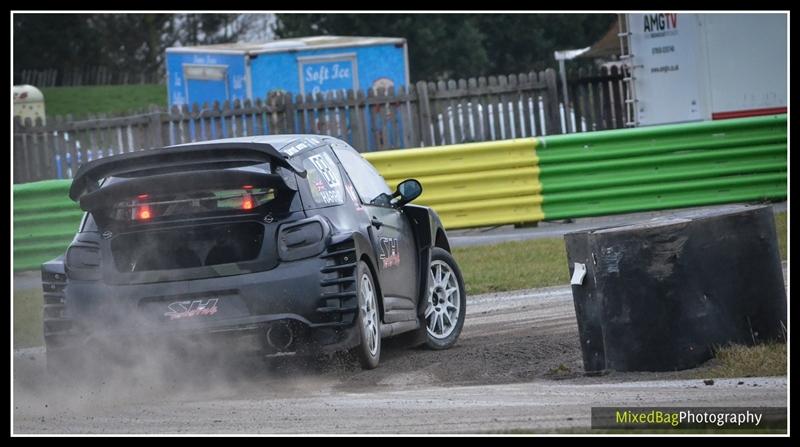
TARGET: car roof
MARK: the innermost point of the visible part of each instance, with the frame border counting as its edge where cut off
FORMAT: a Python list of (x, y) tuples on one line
[(281, 149), (289, 145)]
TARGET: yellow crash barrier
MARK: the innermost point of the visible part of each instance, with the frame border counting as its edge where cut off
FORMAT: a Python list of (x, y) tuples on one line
[(456, 158), (473, 184), (452, 188), (484, 213)]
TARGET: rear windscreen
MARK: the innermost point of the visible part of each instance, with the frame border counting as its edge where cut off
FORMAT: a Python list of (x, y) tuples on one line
[(157, 206), (191, 194)]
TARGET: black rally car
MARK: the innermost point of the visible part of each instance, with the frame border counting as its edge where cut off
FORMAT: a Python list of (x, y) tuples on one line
[(293, 243)]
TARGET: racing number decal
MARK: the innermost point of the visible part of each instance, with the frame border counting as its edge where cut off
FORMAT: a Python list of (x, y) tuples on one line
[(328, 187), (323, 164), (187, 309), (390, 255)]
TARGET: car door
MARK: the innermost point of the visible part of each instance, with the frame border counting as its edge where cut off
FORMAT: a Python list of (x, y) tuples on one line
[(392, 237)]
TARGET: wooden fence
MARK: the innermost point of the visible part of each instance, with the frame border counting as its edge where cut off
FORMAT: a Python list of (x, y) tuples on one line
[(425, 114), (597, 98)]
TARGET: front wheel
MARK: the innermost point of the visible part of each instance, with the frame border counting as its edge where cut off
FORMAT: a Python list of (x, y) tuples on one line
[(446, 304), (368, 320)]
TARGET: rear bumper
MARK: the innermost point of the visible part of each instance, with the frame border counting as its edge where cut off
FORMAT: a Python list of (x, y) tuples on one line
[(316, 296), (238, 339)]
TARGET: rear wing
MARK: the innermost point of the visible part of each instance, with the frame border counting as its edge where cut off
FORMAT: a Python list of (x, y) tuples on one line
[(152, 162)]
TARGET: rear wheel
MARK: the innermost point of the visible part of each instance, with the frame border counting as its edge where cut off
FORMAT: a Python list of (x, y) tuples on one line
[(368, 319), (446, 304)]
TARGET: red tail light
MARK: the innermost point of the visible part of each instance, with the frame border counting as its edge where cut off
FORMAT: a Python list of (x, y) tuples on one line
[(143, 211), (247, 202)]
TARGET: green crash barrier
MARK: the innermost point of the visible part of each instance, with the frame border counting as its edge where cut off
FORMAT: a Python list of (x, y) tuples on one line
[(672, 166), (45, 220), (526, 180)]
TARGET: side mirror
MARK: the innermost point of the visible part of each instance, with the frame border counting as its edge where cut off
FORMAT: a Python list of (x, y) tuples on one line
[(407, 191)]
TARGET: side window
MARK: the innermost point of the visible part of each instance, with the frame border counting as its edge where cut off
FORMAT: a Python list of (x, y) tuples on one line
[(324, 179), (368, 182)]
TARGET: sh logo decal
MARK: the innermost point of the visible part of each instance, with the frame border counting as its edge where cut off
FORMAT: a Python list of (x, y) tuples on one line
[(390, 255), (188, 309)]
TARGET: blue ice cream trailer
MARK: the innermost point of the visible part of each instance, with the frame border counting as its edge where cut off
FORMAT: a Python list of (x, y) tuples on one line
[(321, 64)]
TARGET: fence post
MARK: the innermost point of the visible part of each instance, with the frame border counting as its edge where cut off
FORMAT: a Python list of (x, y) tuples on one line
[(216, 121), (406, 121), (385, 113), (34, 159), (551, 111), (58, 147), (154, 127), (357, 119), (372, 114), (226, 117), (258, 116), (290, 113), (606, 101), (71, 148), (48, 162), (424, 105), (364, 120), (183, 123), (340, 111), (19, 149), (414, 122), (508, 115), (616, 95), (271, 102)]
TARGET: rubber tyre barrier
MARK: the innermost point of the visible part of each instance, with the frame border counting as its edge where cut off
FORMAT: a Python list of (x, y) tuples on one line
[(662, 294)]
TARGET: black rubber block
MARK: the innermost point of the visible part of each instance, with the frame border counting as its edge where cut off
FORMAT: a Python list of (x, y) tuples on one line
[(659, 295)]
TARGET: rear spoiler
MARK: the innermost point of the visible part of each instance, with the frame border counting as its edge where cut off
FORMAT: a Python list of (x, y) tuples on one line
[(156, 161)]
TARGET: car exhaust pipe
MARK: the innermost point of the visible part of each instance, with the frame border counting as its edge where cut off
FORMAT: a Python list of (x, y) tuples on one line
[(280, 336)]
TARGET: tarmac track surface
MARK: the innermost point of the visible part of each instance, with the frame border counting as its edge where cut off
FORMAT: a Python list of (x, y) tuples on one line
[(517, 367)]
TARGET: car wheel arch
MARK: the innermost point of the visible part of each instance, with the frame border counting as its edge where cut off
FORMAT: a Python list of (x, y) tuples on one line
[(375, 281), (429, 233), (441, 240)]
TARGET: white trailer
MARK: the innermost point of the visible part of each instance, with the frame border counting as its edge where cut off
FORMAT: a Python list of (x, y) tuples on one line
[(698, 67)]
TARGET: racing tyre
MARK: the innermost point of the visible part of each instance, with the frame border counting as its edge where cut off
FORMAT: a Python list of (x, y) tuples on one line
[(368, 319), (446, 303)]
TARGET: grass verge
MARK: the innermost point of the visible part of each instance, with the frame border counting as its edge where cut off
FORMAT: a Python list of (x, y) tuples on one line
[(735, 361), (28, 318), (108, 99), (513, 265), (783, 234)]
